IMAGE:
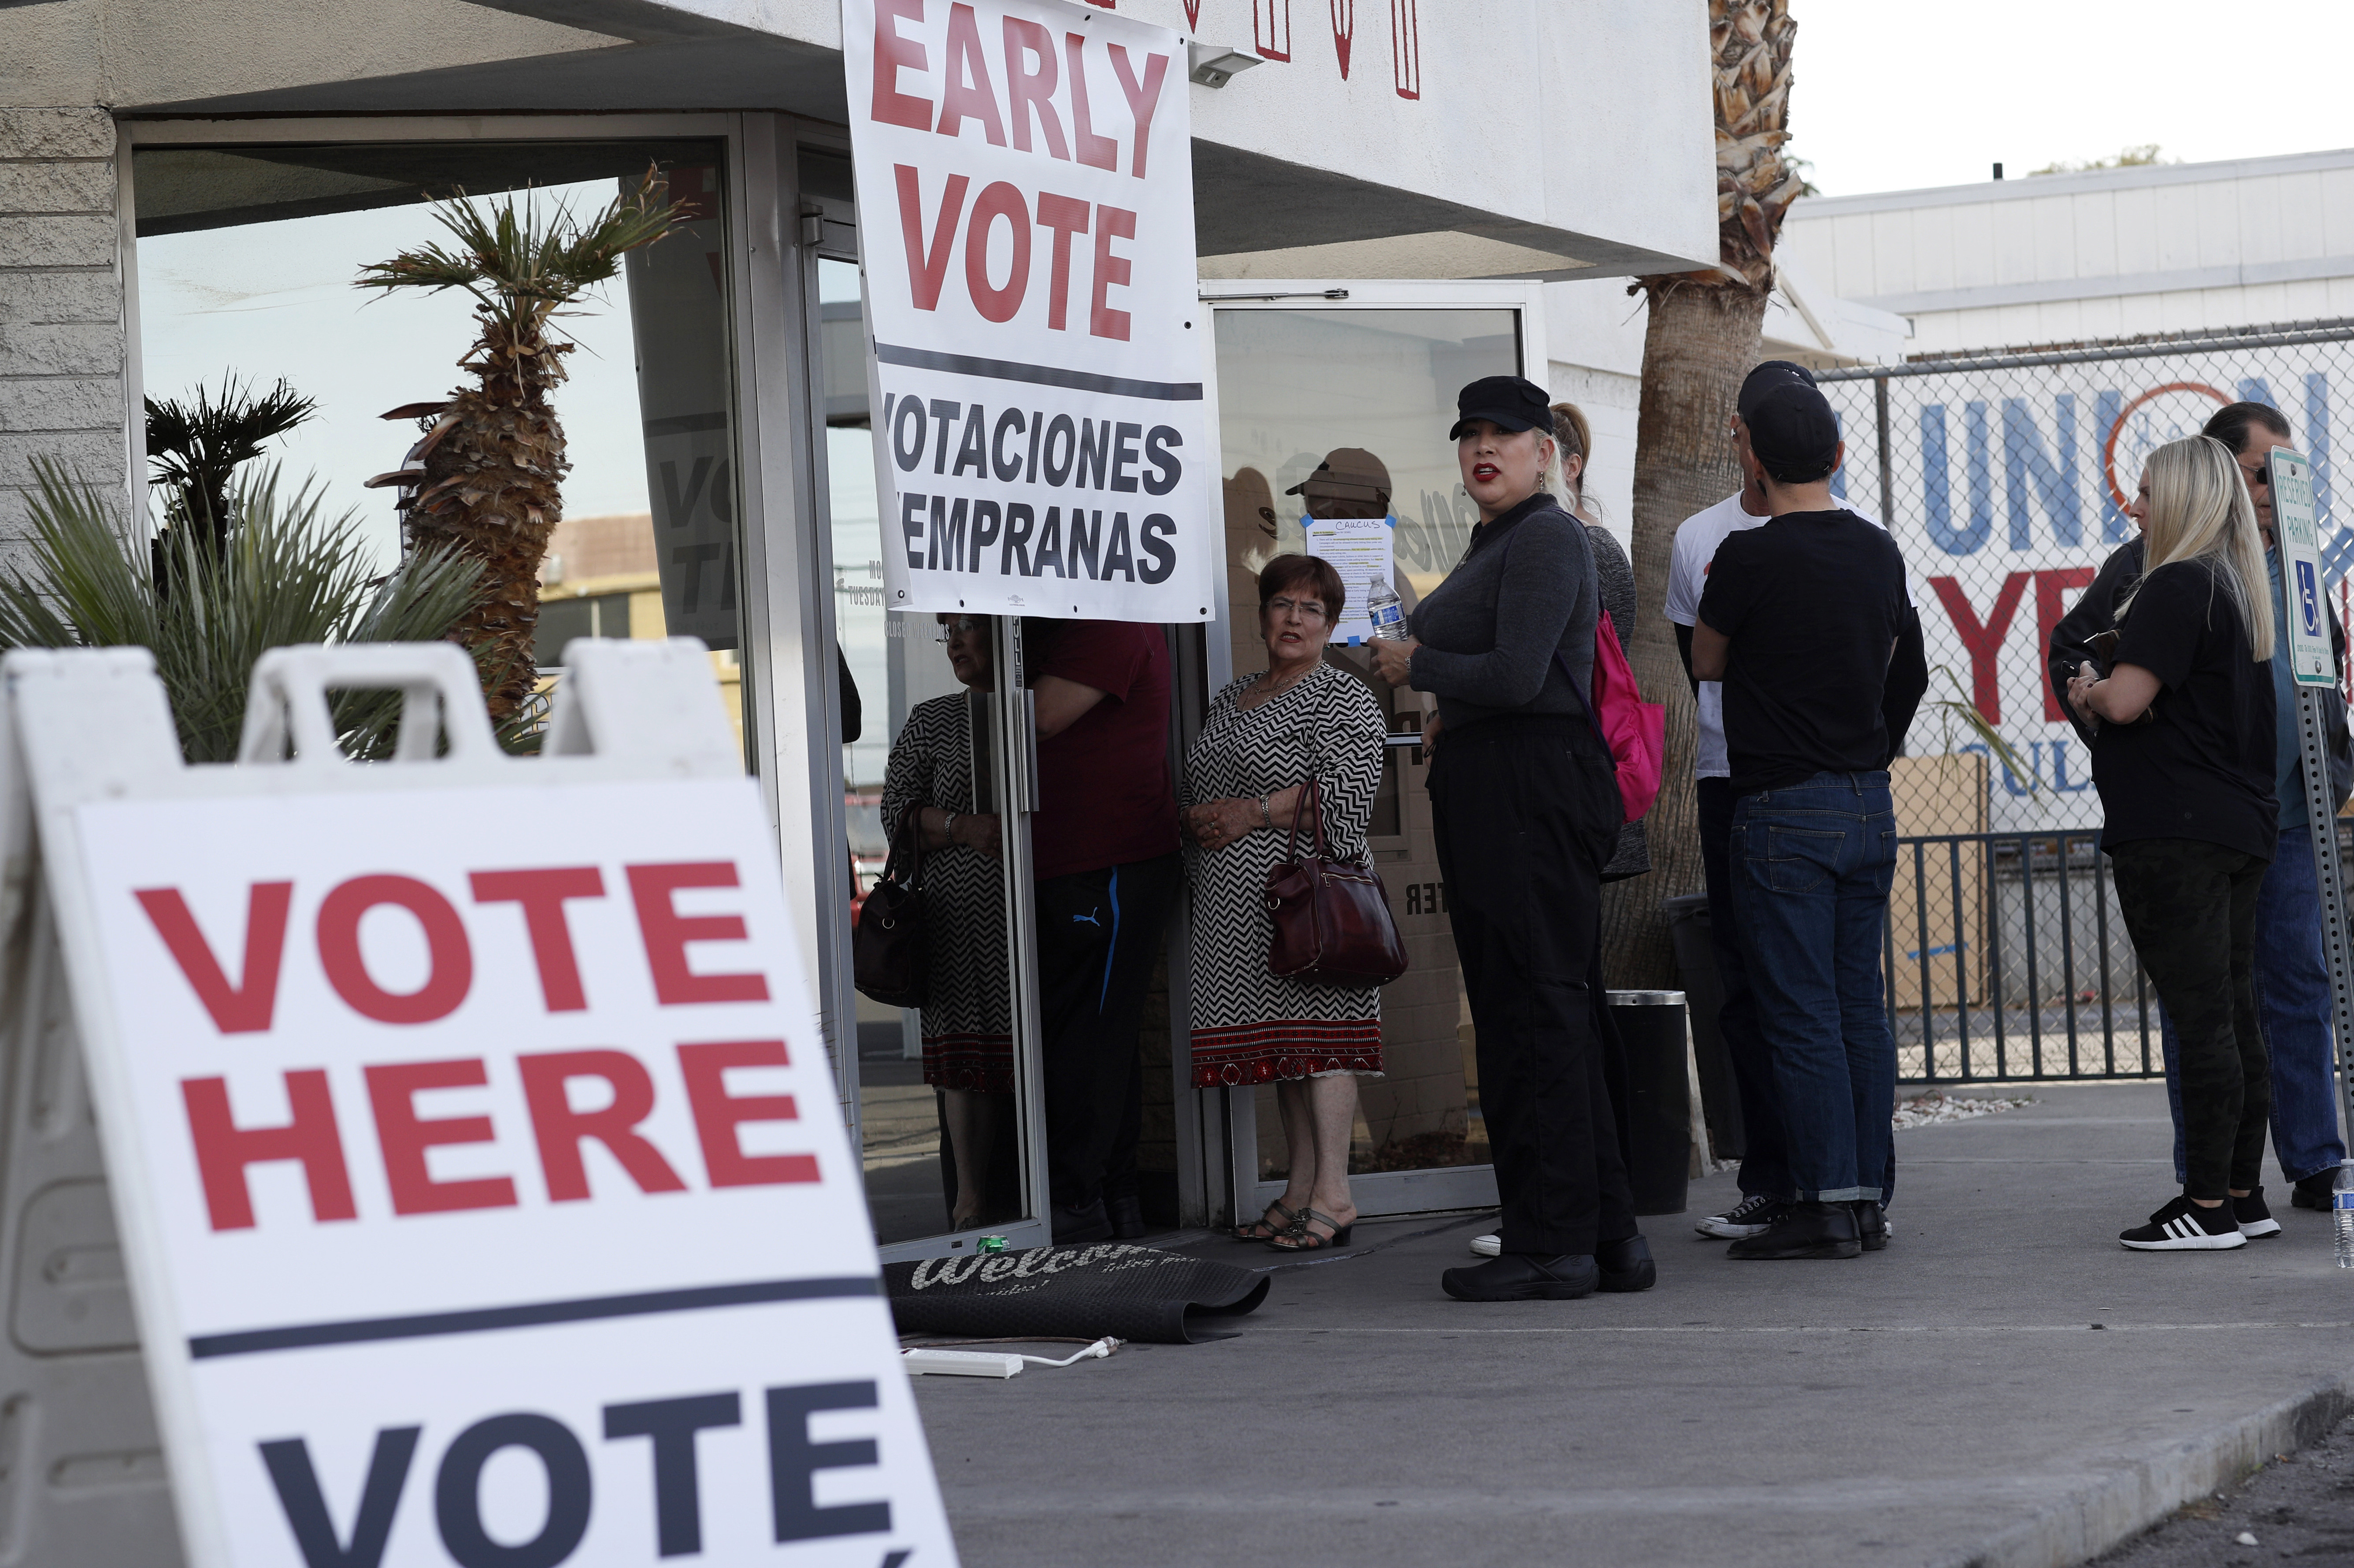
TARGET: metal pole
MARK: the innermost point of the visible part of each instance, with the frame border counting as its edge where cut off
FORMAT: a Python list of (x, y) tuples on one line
[(1887, 485), (2321, 819)]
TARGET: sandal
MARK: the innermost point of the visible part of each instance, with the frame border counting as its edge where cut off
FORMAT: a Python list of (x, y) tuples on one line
[(1259, 1230), (1299, 1238)]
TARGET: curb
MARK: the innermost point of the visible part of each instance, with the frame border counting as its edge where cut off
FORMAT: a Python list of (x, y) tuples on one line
[(2140, 1492)]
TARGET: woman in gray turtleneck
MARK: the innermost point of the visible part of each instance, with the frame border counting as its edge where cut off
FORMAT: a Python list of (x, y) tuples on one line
[(1524, 799)]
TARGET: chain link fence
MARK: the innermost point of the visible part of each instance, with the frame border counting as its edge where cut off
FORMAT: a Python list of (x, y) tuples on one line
[(2004, 478)]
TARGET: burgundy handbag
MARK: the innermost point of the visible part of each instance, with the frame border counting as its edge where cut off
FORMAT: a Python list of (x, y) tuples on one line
[(1332, 918)]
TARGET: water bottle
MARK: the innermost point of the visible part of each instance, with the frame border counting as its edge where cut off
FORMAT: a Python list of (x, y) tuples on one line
[(2341, 1210), (1382, 608)]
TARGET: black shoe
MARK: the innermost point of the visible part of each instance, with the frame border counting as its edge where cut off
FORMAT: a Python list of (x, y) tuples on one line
[(1076, 1227), (1127, 1216), (1804, 1230), (2183, 1226), (1871, 1224), (2255, 1219), (1523, 1276), (2314, 1192), (1626, 1265)]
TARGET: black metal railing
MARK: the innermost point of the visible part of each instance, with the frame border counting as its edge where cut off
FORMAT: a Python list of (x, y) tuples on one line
[(2008, 959)]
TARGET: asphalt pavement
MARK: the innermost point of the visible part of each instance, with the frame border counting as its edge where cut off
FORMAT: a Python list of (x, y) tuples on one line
[(2004, 1385)]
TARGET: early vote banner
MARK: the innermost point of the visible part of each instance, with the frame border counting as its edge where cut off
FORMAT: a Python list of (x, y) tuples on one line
[(1025, 173), (481, 1180)]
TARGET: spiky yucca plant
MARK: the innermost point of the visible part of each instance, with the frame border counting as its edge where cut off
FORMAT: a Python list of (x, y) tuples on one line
[(486, 474), (286, 574), (197, 447)]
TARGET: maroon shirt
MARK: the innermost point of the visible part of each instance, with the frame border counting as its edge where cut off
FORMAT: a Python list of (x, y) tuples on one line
[(1104, 789)]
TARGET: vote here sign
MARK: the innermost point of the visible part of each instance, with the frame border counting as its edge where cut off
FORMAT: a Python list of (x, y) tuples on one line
[(1025, 172), (485, 1190)]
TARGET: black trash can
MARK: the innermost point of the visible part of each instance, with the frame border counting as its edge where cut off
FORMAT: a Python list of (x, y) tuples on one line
[(1690, 928), (1658, 1098)]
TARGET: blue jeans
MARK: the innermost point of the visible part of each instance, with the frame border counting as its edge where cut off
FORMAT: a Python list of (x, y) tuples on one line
[(1811, 867), (2293, 1008)]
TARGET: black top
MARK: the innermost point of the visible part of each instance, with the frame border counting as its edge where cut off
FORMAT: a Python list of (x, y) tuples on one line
[(1813, 602), (1512, 629), (2203, 767)]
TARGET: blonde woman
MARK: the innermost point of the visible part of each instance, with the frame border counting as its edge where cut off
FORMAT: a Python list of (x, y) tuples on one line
[(2183, 754)]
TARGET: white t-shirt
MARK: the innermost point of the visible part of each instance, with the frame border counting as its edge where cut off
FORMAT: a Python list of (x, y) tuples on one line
[(1696, 542)]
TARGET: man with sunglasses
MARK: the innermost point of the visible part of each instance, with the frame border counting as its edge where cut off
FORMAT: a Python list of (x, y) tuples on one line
[(2293, 998)]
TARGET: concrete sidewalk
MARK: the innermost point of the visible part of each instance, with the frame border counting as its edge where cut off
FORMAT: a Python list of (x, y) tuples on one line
[(2003, 1385)]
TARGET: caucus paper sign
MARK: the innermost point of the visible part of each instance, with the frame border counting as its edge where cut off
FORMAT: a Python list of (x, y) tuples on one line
[(477, 1162), (1025, 173)]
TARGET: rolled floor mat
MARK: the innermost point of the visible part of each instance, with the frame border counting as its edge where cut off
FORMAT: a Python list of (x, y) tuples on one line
[(1119, 1289)]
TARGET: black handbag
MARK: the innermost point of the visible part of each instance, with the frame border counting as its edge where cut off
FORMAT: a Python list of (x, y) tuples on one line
[(888, 950), (1332, 918)]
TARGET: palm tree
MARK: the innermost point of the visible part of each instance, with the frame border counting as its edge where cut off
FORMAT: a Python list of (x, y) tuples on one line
[(1700, 340), (486, 474), (283, 574), (197, 446)]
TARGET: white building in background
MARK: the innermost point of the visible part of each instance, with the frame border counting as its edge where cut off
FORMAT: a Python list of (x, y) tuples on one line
[(2108, 253)]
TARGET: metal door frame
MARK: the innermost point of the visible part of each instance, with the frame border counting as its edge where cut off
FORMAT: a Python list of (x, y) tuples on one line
[(1228, 1119)]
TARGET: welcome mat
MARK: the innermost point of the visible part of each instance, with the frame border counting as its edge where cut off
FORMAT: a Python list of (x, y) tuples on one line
[(1132, 1292)]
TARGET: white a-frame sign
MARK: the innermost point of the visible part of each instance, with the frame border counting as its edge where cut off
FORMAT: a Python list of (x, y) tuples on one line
[(479, 1183)]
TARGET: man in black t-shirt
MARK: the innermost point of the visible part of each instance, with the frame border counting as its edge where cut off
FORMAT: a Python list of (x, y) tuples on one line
[(1799, 621)]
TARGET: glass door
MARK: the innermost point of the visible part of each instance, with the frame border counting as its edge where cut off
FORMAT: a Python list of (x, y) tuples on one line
[(1332, 409)]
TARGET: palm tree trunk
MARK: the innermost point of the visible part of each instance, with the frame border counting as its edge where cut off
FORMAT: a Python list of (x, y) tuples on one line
[(1701, 341)]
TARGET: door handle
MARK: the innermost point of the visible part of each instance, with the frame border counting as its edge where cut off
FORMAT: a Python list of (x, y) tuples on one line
[(1025, 794)]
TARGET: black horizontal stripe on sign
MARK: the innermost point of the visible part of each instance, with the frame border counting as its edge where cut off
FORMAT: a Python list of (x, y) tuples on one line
[(1041, 374), (425, 1325)]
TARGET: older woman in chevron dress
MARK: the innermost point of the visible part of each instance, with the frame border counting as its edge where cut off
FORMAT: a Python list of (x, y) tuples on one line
[(968, 1010), (1263, 736)]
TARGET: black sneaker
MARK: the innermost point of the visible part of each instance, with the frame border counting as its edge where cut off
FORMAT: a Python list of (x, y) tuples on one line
[(2183, 1226), (2314, 1192), (1626, 1265), (1804, 1230), (2255, 1220), (1871, 1224), (1753, 1214), (1523, 1276)]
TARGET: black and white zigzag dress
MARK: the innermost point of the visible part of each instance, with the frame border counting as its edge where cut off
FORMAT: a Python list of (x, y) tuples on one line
[(968, 1008), (1248, 1026)]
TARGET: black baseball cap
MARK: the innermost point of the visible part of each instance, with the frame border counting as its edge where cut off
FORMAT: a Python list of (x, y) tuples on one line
[(1765, 378), (1513, 402), (1794, 433)]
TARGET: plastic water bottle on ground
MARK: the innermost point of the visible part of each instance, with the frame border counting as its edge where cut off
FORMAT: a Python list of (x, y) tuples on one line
[(2342, 1211), (1388, 616)]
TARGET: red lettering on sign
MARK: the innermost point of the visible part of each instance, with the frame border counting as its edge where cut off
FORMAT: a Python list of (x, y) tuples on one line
[(1111, 271), (450, 971), (1984, 640), (1027, 89), (1100, 151), (2049, 612), (224, 1148), (717, 1115), (542, 892), (896, 52), (1001, 200), (667, 933), (1142, 98), (404, 1137), (926, 273), (559, 1129), (1062, 217), (968, 94), (245, 1007)]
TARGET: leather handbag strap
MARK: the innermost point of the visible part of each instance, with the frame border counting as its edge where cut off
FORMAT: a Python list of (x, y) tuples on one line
[(909, 839), (1311, 796)]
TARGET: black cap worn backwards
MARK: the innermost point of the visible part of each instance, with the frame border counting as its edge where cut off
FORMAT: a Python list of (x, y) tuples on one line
[(1794, 434), (1513, 402), (1765, 378)]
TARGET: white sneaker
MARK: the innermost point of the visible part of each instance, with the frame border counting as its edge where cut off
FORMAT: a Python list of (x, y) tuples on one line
[(1487, 1246), (1750, 1217)]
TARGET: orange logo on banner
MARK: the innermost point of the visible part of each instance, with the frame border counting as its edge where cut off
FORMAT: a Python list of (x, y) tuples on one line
[(2109, 442)]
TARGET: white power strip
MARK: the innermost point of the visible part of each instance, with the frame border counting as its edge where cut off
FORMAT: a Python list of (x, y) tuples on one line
[(961, 1363)]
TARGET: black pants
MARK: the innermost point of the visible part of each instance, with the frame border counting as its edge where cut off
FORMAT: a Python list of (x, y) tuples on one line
[(1098, 935), (1527, 812), (1764, 1159), (2190, 908)]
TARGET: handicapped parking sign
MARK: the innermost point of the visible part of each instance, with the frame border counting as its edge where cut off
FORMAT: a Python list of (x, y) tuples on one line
[(2308, 599)]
